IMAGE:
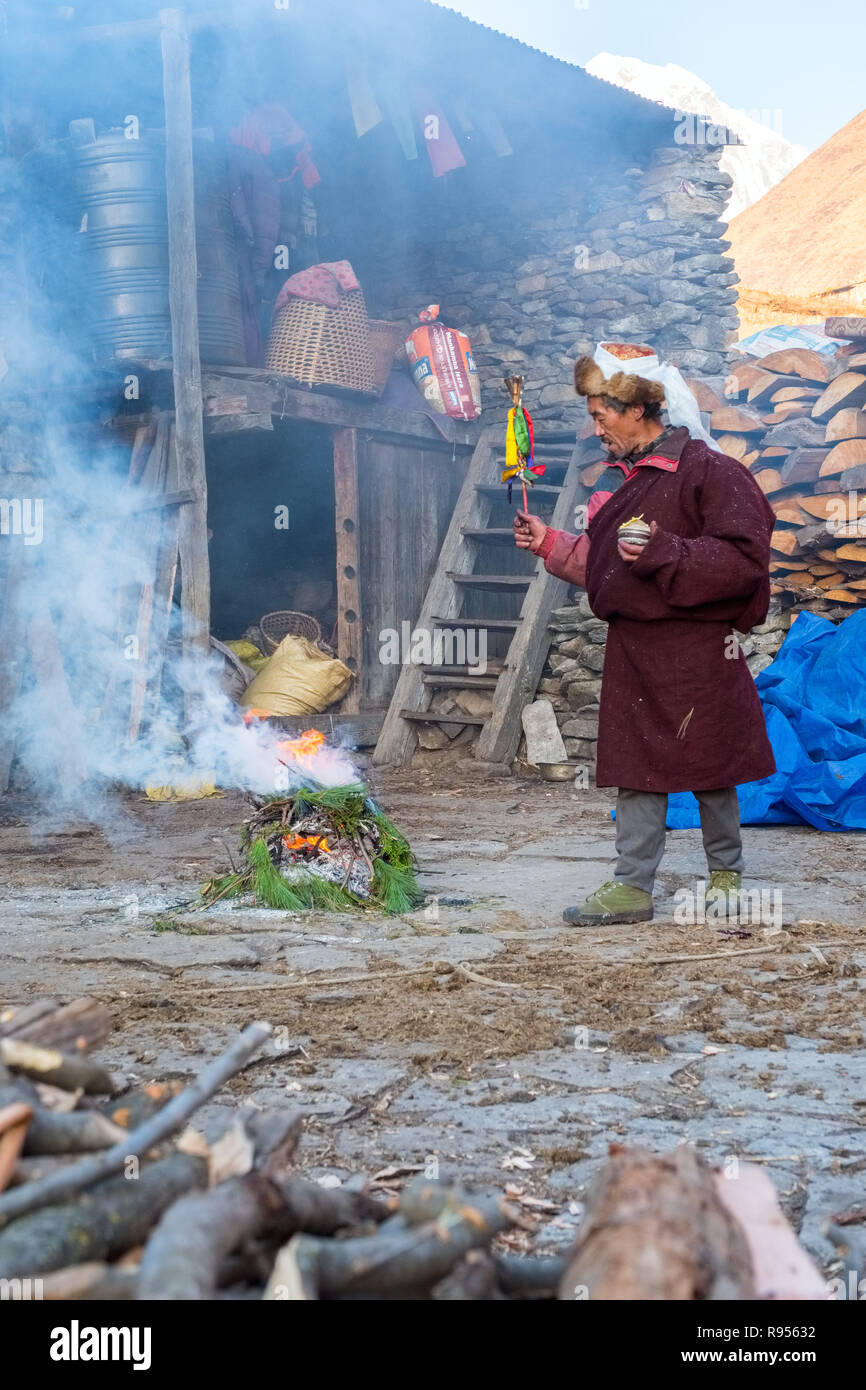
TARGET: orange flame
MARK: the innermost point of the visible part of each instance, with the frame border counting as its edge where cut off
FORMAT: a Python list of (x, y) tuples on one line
[(252, 714), (307, 842), (306, 745)]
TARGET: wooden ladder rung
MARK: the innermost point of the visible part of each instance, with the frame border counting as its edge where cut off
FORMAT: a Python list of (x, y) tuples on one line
[(497, 490), (492, 581), (430, 716), (505, 624), (494, 667), (461, 682), (490, 535)]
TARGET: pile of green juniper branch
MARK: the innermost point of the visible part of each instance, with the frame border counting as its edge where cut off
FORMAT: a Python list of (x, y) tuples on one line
[(350, 855)]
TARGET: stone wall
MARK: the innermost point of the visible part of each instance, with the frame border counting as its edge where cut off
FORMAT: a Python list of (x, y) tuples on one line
[(632, 253)]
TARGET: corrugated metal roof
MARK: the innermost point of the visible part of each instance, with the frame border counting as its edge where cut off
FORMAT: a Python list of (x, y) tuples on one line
[(647, 102)]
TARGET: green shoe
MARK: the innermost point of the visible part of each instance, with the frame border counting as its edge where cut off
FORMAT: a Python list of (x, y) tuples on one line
[(612, 902), (722, 898)]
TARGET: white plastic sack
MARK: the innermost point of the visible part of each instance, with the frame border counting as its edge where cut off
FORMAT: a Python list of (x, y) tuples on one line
[(681, 405), (788, 335)]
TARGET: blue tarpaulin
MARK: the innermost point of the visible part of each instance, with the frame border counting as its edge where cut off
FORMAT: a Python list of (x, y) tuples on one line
[(814, 699)]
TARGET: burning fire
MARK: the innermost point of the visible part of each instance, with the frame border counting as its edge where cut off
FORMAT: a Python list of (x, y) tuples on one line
[(252, 714), (310, 755), (306, 745), (302, 749), (314, 842)]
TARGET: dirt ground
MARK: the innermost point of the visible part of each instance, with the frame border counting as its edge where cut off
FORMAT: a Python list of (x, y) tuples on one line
[(480, 1033)]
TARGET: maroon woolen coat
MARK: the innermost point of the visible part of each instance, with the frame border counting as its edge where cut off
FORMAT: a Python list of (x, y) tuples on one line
[(679, 709)]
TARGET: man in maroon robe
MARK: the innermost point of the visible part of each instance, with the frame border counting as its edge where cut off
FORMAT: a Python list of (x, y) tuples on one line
[(679, 710)]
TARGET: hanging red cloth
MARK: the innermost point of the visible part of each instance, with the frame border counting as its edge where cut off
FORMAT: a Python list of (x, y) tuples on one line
[(442, 147), (271, 124)]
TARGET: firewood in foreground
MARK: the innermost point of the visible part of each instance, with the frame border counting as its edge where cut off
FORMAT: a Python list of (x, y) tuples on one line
[(472, 1280), (56, 1068), (31, 1169), (14, 1120), (75, 1027), (100, 1224), (522, 1275), (94, 1281), (76, 1131), (655, 1228), (183, 1256), (308, 1268), (61, 1132), (60, 1186)]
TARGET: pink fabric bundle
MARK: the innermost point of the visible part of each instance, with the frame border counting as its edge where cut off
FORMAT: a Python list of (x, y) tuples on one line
[(321, 284)]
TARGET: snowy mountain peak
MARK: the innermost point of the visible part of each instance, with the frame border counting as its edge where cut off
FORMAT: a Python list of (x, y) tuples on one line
[(763, 159)]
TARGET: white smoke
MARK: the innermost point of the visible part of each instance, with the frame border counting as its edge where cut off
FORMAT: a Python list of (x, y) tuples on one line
[(75, 582), (77, 609)]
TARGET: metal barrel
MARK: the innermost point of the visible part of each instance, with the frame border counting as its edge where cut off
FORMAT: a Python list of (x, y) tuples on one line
[(124, 242)]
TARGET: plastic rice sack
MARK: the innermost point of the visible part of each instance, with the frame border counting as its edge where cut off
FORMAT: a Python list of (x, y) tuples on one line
[(443, 367), (298, 679)]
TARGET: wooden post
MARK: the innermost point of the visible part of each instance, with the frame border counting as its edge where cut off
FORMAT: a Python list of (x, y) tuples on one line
[(349, 630), (12, 634), (183, 303)]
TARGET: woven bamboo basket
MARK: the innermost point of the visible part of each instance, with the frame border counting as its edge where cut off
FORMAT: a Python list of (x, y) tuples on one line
[(385, 339), (286, 622), (320, 346)]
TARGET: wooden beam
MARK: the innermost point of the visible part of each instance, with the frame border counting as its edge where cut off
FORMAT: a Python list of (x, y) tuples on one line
[(349, 627), (148, 540), (14, 657), (167, 558), (265, 391), (186, 364)]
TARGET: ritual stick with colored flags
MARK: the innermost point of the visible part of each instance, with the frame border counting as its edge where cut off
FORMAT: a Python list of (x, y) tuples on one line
[(519, 443)]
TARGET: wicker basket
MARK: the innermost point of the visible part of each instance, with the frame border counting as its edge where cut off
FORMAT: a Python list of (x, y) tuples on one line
[(284, 623), (385, 339), (323, 347)]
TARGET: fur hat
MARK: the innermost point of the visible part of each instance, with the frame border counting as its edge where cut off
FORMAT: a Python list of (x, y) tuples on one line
[(589, 380)]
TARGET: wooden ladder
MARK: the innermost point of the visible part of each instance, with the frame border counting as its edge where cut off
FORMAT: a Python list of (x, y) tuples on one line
[(460, 572)]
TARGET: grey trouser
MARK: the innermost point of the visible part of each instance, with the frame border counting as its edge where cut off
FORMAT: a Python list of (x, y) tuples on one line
[(640, 833)]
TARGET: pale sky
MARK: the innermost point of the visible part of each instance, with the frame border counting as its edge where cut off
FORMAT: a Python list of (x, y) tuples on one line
[(802, 59)]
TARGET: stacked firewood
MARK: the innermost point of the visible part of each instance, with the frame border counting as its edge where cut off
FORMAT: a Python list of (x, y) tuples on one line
[(108, 1193), (796, 418)]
